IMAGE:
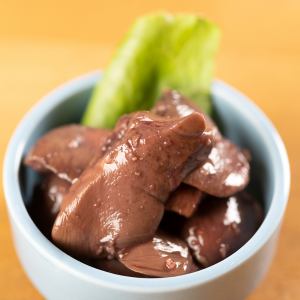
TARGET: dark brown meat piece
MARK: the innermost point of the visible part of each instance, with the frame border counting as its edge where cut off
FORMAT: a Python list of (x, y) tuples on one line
[(173, 104), (225, 172), (46, 202), (226, 169), (162, 256), (184, 200), (62, 154), (114, 266), (66, 151), (119, 200), (54, 190), (222, 226)]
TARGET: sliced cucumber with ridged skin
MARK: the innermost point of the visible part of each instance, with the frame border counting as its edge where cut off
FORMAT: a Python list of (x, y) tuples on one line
[(160, 51)]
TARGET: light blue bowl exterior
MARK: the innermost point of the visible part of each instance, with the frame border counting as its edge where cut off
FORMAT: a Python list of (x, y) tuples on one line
[(59, 276)]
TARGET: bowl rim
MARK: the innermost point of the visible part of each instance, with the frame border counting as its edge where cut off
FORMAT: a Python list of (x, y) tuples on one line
[(18, 213)]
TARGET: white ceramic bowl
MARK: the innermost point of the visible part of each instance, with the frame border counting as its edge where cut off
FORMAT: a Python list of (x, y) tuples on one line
[(58, 276)]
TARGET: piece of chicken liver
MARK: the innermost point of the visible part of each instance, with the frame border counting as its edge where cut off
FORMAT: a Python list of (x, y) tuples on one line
[(221, 226), (119, 201), (162, 256), (46, 202), (184, 200), (226, 169), (67, 150)]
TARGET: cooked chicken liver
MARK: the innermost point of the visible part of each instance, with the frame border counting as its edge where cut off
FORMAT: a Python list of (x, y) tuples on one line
[(226, 169), (141, 200), (184, 200), (47, 200), (222, 226), (162, 256), (119, 200), (66, 151)]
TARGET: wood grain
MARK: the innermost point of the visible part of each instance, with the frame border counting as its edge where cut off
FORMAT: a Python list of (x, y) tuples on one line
[(44, 43)]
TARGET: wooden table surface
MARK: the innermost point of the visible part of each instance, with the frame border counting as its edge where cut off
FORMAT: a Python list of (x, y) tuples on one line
[(44, 43)]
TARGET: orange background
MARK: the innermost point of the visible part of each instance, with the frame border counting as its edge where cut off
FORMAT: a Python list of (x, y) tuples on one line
[(44, 43)]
